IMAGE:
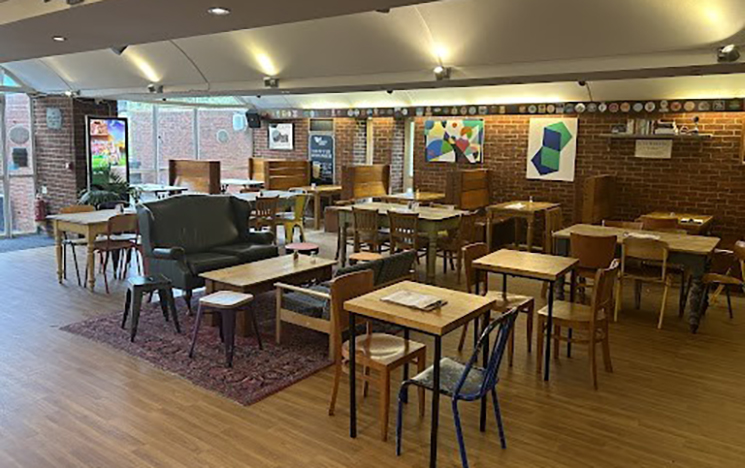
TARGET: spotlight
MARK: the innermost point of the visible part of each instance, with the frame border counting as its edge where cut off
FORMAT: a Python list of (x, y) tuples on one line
[(72, 93), (441, 73), (155, 88), (270, 82), (582, 83), (389, 91), (119, 50), (383, 10), (59, 38), (729, 53), (218, 11)]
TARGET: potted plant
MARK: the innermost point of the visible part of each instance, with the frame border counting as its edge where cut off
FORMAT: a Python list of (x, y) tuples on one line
[(115, 191)]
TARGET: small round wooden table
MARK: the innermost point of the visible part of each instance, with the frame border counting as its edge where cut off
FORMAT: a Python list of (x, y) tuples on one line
[(305, 248), (364, 257)]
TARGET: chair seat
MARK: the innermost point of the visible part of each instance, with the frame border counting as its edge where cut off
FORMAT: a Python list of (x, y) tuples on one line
[(718, 278), (506, 302), (225, 300), (384, 349), (450, 374), (113, 244), (571, 312), (288, 216), (150, 282)]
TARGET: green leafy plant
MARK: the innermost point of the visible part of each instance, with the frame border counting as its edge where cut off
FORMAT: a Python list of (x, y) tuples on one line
[(115, 189)]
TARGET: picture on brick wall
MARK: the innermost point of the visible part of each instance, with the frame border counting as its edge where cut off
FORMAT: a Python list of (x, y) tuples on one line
[(454, 140), (280, 136), (552, 149)]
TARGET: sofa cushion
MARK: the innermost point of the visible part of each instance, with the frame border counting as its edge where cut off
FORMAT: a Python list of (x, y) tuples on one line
[(396, 267), (208, 261), (309, 306), (248, 252)]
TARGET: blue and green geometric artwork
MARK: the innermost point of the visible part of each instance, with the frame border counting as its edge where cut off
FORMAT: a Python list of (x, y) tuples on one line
[(555, 138), (552, 149)]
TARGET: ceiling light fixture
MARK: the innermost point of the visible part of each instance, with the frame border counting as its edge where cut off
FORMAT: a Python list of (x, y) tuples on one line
[(441, 73), (271, 82), (218, 11), (72, 93), (729, 53), (155, 88), (59, 38), (119, 50)]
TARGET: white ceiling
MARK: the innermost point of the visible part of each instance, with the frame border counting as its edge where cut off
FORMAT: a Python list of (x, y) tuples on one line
[(487, 42)]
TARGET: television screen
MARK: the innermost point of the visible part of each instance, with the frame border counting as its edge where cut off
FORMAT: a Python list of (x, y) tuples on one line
[(107, 150)]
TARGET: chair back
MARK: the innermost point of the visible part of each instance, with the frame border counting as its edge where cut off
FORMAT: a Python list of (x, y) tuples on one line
[(467, 228), (503, 325), (554, 222), (641, 249), (473, 252), (366, 226), (637, 225), (593, 252), (404, 230), (301, 203), (651, 223), (344, 288), (123, 224), (77, 209), (267, 207), (602, 295)]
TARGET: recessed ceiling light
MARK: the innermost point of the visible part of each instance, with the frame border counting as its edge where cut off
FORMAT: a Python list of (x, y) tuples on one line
[(59, 38), (219, 11)]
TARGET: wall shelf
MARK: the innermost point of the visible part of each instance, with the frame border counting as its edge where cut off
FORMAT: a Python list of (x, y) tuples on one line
[(636, 136)]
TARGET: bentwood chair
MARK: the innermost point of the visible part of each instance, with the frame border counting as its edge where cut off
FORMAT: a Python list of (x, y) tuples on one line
[(503, 302), (378, 354), (651, 223), (592, 319), (466, 382), (404, 231), (121, 239), (636, 225), (74, 242), (644, 260), (265, 214), (452, 245), (726, 279), (366, 229), (593, 253), (295, 218)]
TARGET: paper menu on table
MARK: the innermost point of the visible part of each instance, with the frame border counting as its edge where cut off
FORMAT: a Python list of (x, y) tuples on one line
[(515, 206), (414, 300)]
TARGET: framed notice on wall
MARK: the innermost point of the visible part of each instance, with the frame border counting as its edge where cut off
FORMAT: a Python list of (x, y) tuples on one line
[(281, 136), (321, 155), (654, 149), (108, 149)]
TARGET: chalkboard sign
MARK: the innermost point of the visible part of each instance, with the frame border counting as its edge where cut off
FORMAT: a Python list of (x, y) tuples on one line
[(321, 149)]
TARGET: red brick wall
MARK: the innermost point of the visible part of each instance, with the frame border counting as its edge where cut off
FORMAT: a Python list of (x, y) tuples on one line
[(388, 147), (702, 176)]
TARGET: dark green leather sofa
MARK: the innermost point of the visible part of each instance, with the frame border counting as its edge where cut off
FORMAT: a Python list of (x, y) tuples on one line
[(187, 235)]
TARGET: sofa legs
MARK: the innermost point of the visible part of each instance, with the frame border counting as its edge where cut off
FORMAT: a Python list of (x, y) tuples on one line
[(187, 298)]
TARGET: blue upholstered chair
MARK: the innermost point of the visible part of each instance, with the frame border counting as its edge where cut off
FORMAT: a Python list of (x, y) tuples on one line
[(466, 382)]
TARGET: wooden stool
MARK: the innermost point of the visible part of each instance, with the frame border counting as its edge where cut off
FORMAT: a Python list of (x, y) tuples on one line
[(139, 285), (305, 248), (226, 303), (364, 257)]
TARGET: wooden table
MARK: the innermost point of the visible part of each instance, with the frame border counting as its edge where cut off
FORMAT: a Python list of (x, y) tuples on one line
[(259, 277), (692, 252), (245, 183), (460, 309), (687, 221), (318, 192), (431, 222), (526, 210), (160, 190), (547, 268), (91, 225), (286, 199), (414, 196)]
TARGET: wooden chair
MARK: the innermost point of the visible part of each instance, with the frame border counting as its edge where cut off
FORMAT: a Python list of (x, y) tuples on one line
[(636, 225), (452, 245), (122, 237), (295, 219), (504, 302), (378, 354), (554, 223), (644, 260), (265, 214), (650, 223), (727, 278), (593, 253), (75, 242), (366, 229), (404, 231), (592, 319)]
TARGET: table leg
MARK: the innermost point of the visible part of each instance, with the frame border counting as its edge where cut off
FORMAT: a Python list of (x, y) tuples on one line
[(405, 396), (549, 330), (91, 260), (431, 256), (485, 363), (435, 403), (352, 377), (342, 239), (489, 231), (517, 233), (317, 210), (58, 251), (572, 297), (529, 239), (695, 302)]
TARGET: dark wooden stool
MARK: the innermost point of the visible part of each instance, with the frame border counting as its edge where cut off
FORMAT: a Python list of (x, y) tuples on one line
[(226, 303), (305, 248), (140, 285)]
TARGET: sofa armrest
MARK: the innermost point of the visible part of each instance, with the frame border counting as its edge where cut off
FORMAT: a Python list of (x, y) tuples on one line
[(301, 290), (169, 253), (264, 238)]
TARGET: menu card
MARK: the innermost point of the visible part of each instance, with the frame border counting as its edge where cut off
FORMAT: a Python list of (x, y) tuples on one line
[(414, 300), (639, 235), (515, 206)]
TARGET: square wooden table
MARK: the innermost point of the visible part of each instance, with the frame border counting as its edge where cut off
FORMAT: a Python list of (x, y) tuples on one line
[(461, 308), (526, 210), (259, 277), (547, 268), (318, 192), (414, 196), (696, 224)]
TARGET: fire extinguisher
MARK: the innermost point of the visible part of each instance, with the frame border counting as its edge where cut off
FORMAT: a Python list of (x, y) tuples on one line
[(40, 212)]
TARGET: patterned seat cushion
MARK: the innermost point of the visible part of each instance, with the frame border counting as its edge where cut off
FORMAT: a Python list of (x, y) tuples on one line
[(309, 306), (450, 374)]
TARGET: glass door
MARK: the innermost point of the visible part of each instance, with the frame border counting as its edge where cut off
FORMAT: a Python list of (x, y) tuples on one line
[(4, 199)]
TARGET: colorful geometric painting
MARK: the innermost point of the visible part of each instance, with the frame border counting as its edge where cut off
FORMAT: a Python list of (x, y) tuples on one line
[(552, 149), (454, 140)]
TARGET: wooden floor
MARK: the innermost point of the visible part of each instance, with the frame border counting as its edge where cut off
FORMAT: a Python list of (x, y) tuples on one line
[(675, 399)]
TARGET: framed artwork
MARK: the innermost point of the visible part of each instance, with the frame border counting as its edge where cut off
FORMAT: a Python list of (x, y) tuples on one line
[(281, 136), (552, 149), (454, 140)]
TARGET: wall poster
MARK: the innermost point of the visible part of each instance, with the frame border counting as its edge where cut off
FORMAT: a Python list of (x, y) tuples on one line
[(321, 155), (108, 148), (454, 140), (281, 136), (552, 149)]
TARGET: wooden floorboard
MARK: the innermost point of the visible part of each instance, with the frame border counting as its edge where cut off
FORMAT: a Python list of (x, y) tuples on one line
[(675, 399)]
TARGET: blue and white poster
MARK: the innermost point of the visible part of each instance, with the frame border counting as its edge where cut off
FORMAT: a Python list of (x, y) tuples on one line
[(321, 153)]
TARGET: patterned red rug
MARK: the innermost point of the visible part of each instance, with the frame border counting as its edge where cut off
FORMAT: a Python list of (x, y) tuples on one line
[(255, 375)]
